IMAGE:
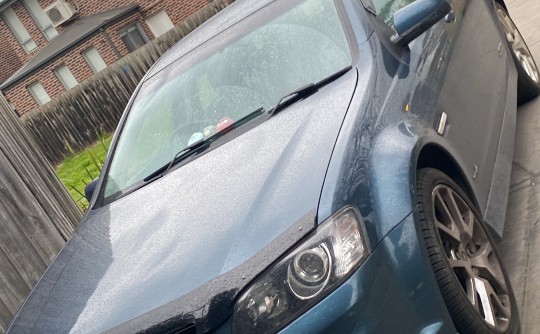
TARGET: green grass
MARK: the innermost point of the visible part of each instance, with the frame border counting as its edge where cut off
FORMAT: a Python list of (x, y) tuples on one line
[(80, 169)]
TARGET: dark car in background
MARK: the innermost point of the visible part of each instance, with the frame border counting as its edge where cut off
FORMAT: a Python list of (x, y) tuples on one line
[(304, 166)]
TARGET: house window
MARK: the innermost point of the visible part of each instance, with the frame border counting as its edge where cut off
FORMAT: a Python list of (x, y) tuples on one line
[(19, 30), (159, 23), (39, 93), (66, 77), (41, 19), (133, 37), (94, 60)]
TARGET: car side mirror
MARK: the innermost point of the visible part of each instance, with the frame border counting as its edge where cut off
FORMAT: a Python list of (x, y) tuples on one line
[(414, 19), (89, 190)]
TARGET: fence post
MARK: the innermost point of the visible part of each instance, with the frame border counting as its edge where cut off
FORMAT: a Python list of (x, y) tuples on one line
[(37, 214)]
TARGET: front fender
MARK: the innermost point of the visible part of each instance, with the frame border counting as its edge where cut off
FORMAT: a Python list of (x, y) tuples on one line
[(380, 179)]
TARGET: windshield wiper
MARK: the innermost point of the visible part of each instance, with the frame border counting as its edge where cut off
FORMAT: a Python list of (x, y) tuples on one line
[(306, 91), (178, 157), (201, 146)]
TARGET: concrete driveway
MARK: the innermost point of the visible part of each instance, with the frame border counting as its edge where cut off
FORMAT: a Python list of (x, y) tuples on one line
[(521, 244)]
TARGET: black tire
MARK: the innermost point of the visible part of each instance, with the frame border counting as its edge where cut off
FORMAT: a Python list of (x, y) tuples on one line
[(434, 191), (528, 88)]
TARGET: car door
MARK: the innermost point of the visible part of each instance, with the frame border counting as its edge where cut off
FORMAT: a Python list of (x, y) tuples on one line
[(473, 90), (460, 60)]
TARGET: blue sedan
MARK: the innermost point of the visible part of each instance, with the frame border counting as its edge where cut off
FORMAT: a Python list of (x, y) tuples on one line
[(306, 166)]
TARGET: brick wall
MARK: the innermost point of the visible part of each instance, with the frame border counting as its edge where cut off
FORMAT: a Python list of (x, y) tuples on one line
[(23, 101), (19, 96), (178, 10), (12, 55), (32, 29), (9, 62)]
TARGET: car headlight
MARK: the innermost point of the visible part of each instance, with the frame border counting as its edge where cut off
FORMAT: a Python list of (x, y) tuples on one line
[(305, 276)]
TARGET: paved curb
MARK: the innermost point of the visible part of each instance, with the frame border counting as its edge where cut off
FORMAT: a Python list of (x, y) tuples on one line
[(520, 247)]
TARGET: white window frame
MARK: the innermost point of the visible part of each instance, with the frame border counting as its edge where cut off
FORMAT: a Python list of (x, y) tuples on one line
[(68, 83), (36, 96), (41, 19), (156, 29), (18, 30), (91, 62)]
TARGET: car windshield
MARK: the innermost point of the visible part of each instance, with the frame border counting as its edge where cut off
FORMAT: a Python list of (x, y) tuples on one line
[(184, 104)]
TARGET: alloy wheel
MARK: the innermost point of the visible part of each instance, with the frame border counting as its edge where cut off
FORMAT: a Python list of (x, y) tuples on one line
[(518, 46), (472, 258)]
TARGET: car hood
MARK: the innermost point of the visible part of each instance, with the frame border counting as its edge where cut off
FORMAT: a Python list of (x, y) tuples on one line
[(184, 246)]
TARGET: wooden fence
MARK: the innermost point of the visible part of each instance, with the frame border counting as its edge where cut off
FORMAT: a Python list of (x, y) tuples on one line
[(75, 120), (37, 214)]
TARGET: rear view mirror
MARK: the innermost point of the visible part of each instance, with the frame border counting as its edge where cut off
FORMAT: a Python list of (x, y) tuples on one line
[(89, 190), (414, 19)]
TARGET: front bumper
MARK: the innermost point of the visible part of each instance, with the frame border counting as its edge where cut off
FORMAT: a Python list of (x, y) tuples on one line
[(394, 291)]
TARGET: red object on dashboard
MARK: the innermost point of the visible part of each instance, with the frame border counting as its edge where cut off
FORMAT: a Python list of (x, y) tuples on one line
[(224, 123)]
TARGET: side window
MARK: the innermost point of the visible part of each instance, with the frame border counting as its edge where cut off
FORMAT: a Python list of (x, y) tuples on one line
[(94, 60), (66, 77), (38, 93), (18, 29), (159, 23), (386, 8), (133, 37)]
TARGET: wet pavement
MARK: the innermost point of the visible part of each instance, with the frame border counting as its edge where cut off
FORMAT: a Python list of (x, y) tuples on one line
[(520, 248)]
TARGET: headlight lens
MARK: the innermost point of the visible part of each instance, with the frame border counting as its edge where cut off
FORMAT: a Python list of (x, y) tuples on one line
[(309, 272), (304, 276)]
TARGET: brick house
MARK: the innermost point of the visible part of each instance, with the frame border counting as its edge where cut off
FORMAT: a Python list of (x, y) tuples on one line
[(49, 46)]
